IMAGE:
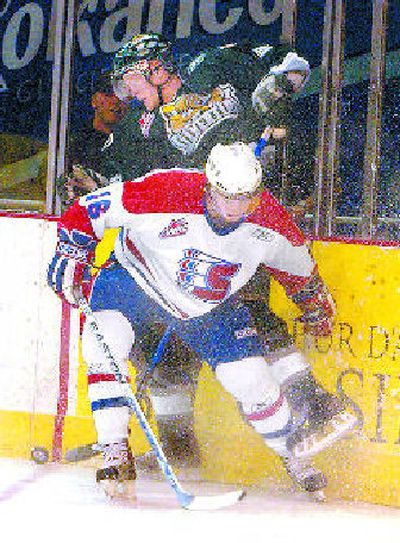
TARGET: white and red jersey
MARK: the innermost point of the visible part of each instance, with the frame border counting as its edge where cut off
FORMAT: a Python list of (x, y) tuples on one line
[(170, 248)]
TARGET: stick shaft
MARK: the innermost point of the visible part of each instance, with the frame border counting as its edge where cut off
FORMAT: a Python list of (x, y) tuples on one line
[(166, 468)]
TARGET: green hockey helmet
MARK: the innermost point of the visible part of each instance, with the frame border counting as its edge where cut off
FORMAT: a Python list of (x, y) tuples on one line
[(136, 54)]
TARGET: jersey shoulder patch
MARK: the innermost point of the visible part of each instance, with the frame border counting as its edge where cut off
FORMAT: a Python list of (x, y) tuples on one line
[(274, 216)]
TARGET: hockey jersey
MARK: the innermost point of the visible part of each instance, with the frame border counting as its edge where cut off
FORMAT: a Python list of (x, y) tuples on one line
[(169, 245), (214, 105)]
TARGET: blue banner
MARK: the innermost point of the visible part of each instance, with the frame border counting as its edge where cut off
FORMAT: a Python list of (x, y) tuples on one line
[(27, 42)]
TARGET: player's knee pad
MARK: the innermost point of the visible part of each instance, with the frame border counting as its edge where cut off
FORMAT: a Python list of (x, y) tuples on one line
[(249, 380), (288, 366), (252, 383), (118, 335)]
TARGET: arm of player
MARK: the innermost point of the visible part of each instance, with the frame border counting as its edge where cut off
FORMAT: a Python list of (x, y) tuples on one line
[(79, 230), (69, 269), (312, 297), (317, 305)]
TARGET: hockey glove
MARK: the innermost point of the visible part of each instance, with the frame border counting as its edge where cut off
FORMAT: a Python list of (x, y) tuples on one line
[(272, 94), (69, 271), (79, 182), (317, 306)]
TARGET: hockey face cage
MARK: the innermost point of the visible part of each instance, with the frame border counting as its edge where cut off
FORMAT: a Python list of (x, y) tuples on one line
[(136, 54)]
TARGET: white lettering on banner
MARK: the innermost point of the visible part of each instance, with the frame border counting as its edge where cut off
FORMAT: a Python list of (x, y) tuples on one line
[(208, 19), (156, 15), (5, 7), (90, 5), (10, 58), (260, 16), (110, 4), (130, 17), (185, 19), (132, 13), (85, 39)]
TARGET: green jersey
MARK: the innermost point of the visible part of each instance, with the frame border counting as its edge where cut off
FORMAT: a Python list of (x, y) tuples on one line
[(214, 105)]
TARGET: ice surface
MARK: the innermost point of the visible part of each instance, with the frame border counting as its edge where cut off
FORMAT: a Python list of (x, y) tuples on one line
[(58, 502)]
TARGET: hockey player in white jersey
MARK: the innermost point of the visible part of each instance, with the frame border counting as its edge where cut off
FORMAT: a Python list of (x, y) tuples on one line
[(188, 242), (224, 94)]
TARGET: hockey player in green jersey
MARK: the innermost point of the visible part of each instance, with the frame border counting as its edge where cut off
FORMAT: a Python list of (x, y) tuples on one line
[(224, 94)]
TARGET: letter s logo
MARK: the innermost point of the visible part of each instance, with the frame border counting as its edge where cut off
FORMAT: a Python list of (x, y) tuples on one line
[(206, 277)]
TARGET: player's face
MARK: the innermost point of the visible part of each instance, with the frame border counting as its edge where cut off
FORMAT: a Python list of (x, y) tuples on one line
[(231, 209), (297, 79), (141, 89), (159, 75)]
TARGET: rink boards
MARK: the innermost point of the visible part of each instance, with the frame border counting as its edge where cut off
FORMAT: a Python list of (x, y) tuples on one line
[(43, 400)]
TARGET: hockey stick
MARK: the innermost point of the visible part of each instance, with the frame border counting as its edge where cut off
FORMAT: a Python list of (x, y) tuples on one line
[(185, 499)]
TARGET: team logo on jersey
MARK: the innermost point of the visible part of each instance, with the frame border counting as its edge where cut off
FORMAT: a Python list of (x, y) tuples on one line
[(206, 277), (177, 227), (263, 235), (191, 116)]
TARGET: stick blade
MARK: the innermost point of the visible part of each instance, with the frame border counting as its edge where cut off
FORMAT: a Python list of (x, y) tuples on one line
[(84, 452), (210, 503)]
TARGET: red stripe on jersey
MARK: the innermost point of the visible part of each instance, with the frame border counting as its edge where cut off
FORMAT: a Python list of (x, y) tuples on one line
[(181, 191), (76, 217), (166, 191), (102, 378), (268, 412), (271, 214), (135, 251)]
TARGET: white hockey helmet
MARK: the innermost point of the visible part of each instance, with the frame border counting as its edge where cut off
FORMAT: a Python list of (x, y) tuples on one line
[(234, 169)]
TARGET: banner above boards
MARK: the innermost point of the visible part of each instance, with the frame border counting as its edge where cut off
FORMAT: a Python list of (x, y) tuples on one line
[(27, 33)]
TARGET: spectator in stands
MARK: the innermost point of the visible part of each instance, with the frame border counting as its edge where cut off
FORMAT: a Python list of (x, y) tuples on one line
[(89, 147)]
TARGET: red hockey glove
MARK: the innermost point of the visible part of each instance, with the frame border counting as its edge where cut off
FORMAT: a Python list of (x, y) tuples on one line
[(317, 306)]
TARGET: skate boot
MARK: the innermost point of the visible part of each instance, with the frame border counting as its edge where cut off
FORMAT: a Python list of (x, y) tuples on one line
[(322, 427), (306, 477), (118, 475), (322, 419)]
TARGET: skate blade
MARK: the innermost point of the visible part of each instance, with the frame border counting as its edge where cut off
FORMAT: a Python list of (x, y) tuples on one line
[(339, 427), (116, 490), (317, 496)]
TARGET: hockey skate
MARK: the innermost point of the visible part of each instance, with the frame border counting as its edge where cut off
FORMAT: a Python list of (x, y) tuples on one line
[(306, 477), (323, 419), (315, 435), (118, 475)]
